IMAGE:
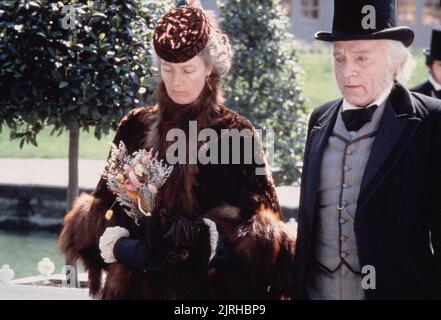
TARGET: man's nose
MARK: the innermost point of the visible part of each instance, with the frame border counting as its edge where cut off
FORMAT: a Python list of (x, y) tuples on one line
[(349, 70)]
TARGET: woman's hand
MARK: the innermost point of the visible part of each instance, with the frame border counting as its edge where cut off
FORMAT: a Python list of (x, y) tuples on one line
[(192, 242), (107, 242)]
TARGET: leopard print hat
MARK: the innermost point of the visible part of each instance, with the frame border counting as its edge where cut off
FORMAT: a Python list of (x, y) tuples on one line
[(181, 34)]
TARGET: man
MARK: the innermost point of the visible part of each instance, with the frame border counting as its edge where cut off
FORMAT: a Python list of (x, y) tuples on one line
[(370, 208), (432, 87)]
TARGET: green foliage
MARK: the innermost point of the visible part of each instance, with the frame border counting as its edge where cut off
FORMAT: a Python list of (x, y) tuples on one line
[(262, 84), (92, 74), (95, 73)]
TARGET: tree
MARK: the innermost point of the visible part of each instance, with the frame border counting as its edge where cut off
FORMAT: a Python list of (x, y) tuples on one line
[(74, 65), (262, 83), (78, 68)]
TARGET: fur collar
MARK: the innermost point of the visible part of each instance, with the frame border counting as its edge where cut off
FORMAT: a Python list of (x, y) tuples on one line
[(170, 115)]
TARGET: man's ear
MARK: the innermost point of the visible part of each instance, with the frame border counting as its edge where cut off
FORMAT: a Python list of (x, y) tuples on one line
[(393, 68)]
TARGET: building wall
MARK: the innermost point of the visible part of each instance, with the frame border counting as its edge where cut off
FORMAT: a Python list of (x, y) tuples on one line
[(418, 23), (305, 28), (210, 5)]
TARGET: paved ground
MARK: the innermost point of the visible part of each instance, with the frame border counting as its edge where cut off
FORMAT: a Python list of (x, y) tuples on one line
[(54, 172), (48, 172)]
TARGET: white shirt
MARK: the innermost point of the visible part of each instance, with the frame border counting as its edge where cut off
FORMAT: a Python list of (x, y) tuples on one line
[(434, 83), (348, 106)]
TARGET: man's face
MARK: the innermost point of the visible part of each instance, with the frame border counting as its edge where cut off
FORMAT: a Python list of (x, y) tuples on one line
[(362, 70), (435, 70)]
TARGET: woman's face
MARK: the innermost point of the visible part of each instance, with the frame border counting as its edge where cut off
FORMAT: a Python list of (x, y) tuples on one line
[(184, 81)]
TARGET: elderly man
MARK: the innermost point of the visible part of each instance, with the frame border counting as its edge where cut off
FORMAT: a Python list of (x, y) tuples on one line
[(370, 208), (432, 87)]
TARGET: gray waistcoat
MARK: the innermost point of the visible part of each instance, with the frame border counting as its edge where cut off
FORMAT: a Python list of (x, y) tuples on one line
[(335, 270)]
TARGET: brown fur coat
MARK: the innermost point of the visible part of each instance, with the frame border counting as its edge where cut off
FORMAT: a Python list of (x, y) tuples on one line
[(243, 205)]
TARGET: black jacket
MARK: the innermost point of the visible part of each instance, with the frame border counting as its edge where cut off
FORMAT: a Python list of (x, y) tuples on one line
[(398, 214), (427, 89)]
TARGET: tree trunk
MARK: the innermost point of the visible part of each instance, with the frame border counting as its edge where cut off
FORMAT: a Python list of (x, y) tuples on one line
[(73, 191)]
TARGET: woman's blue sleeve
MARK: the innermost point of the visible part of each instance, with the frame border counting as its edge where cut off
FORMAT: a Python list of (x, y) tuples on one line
[(136, 253)]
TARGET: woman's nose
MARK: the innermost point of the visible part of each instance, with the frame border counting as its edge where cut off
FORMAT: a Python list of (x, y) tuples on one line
[(177, 79)]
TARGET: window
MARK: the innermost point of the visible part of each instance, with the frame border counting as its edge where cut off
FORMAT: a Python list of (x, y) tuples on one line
[(310, 9), (432, 12), (407, 11)]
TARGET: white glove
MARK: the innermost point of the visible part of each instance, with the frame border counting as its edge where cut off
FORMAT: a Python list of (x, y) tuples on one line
[(214, 236), (108, 240)]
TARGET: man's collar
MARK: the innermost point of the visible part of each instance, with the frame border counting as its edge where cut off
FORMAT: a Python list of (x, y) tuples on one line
[(434, 83), (379, 101)]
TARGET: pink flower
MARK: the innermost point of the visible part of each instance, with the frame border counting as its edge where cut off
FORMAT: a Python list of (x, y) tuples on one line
[(138, 170), (130, 187), (133, 179), (152, 188), (145, 160)]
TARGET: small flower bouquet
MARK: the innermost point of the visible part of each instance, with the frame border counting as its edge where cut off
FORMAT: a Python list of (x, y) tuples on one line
[(135, 180)]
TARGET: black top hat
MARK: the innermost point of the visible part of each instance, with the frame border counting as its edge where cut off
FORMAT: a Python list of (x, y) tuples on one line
[(435, 46), (352, 22)]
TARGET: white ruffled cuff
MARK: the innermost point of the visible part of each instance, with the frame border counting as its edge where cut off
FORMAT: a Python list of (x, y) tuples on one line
[(107, 242), (214, 236)]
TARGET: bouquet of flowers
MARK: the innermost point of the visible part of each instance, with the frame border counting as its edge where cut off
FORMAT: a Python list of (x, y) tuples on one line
[(135, 180)]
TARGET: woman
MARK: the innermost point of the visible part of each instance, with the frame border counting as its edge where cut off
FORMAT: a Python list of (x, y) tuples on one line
[(174, 254)]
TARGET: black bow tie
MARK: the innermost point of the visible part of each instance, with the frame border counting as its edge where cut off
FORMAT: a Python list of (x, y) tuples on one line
[(438, 94), (354, 119)]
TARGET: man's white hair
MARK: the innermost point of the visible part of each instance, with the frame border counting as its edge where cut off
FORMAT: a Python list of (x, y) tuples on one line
[(400, 60)]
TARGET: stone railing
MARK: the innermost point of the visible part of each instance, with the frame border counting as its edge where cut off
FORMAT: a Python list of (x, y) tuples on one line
[(46, 286)]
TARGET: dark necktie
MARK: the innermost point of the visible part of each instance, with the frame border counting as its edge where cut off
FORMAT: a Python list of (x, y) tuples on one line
[(354, 119), (438, 94)]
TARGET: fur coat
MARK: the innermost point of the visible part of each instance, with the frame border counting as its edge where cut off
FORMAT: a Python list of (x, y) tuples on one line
[(243, 205)]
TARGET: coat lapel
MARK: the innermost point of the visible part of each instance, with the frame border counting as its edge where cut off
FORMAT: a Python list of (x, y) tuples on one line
[(317, 142), (395, 131)]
